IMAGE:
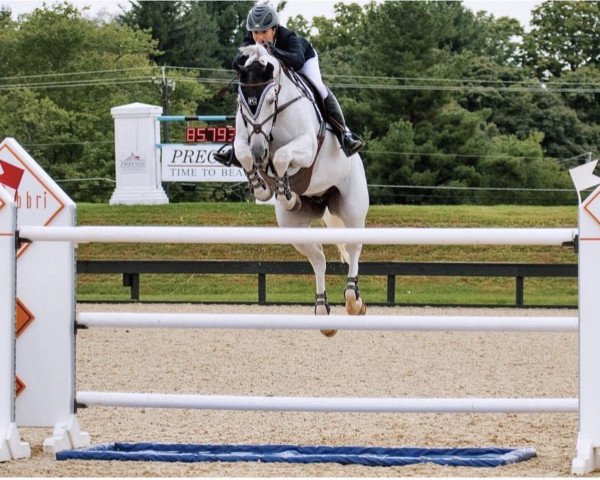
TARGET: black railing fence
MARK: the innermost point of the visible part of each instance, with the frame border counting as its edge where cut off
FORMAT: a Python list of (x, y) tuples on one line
[(133, 269)]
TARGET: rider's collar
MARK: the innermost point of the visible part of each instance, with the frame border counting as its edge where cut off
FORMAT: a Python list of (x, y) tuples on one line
[(253, 96)]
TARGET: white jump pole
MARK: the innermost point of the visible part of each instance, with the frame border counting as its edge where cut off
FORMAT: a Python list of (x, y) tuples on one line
[(316, 322), (274, 235), (329, 404), (11, 446)]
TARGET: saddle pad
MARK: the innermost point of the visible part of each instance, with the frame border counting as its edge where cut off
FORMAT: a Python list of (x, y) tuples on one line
[(368, 456)]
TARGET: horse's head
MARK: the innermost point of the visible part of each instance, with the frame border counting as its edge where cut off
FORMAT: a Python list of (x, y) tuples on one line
[(258, 98)]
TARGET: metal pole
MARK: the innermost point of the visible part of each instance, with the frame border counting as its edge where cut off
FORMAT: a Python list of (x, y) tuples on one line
[(274, 235), (328, 404), (315, 322)]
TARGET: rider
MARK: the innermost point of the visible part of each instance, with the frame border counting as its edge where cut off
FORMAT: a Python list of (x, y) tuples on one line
[(299, 55)]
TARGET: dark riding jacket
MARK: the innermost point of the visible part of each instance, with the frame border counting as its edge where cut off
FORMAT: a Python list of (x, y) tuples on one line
[(290, 48)]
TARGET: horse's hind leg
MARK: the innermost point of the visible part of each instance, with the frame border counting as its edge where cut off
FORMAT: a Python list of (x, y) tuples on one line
[(351, 206)]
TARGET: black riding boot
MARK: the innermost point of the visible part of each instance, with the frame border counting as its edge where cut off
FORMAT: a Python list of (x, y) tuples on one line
[(226, 156), (350, 142)]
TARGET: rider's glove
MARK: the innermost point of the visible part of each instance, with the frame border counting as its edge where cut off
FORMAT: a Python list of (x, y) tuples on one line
[(291, 60)]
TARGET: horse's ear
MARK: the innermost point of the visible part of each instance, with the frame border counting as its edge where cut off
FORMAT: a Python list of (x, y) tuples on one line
[(270, 69), (238, 64), (241, 70)]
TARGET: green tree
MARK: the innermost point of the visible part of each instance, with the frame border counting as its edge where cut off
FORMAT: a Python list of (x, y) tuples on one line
[(191, 34), (82, 68), (5, 16), (564, 36), (162, 19), (408, 43), (391, 160), (500, 39), (519, 164), (581, 92)]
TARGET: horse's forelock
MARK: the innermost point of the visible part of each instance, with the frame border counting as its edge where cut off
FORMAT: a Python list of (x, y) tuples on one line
[(257, 73)]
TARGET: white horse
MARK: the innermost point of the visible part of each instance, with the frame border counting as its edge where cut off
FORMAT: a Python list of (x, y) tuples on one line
[(285, 148)]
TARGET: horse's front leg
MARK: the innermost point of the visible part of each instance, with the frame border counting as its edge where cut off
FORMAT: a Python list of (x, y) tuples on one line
[(243, 153), (300, 152)]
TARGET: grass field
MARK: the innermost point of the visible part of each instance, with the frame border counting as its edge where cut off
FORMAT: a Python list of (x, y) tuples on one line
[(418, 290)]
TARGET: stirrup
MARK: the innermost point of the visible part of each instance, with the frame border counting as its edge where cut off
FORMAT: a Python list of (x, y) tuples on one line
[(227, 158), (351, 143)]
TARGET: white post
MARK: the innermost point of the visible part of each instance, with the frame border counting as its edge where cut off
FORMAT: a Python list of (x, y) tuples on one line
[(588, 440), (11, 446), (137, 157)]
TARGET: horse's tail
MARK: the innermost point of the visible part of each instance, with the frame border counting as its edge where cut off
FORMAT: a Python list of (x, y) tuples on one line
[(331, 221)]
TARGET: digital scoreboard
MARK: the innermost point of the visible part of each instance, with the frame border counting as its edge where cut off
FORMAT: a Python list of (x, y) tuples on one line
[(212, 134)]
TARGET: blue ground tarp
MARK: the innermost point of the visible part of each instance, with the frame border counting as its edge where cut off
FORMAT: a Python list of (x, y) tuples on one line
[(369, 456)]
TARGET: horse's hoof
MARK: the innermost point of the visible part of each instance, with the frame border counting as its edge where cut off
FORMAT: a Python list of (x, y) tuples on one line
[(297, 205), (354, 306), (292, 205), (263, 194), (329, 333)]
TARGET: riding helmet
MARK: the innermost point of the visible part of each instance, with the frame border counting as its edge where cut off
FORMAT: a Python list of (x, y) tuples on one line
[(262, 17)]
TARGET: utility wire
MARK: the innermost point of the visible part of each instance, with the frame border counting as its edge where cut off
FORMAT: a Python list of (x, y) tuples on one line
[(449, 187), (484, 85), (66, 74), (420, 79)]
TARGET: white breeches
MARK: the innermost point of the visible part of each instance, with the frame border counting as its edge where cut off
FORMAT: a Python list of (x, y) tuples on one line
[(313, 72)]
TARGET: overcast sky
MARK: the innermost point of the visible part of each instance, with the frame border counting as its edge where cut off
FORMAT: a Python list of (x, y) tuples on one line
[(519, 9)]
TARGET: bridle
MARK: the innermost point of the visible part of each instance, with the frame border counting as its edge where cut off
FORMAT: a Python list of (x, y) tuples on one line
[(299, 181), (257, 128)]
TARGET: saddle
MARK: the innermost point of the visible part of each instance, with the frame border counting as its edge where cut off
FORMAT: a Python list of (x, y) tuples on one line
[(319, 101)]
